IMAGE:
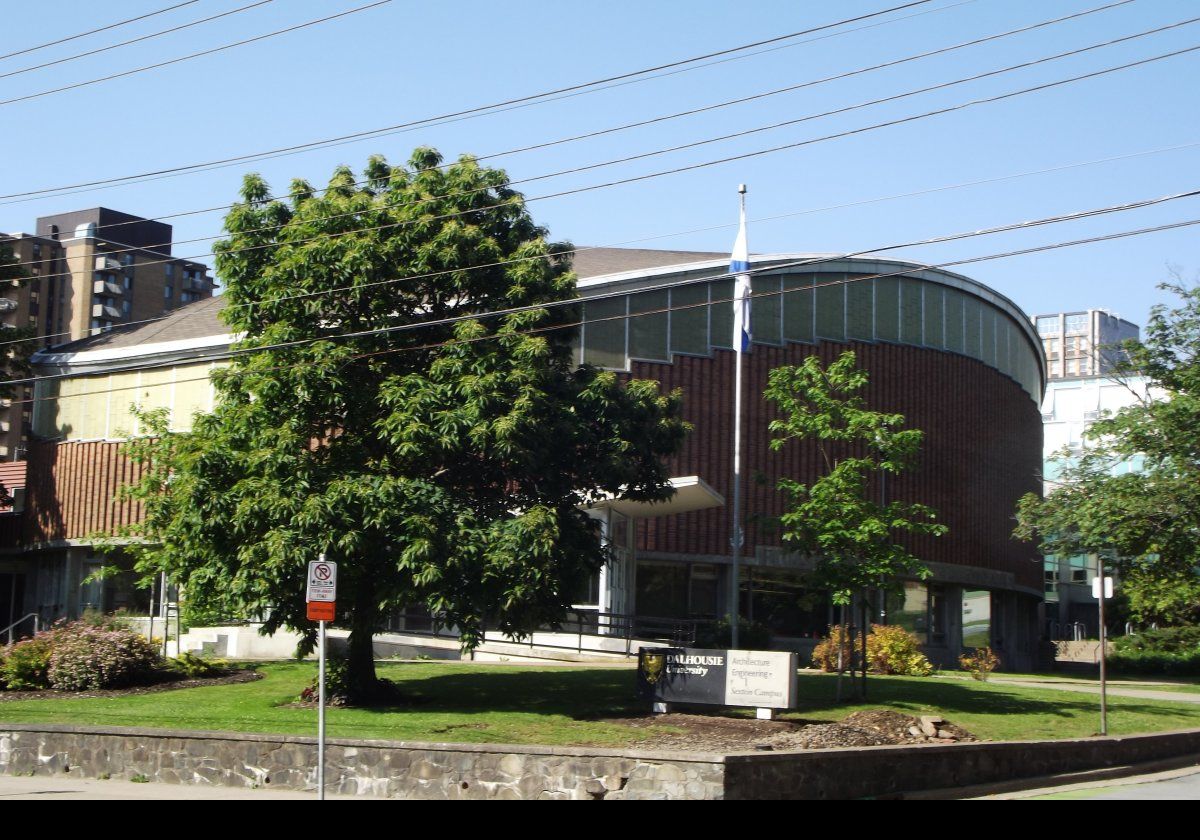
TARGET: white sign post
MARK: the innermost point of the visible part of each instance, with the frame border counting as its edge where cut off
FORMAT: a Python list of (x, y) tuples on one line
[(1102, 589), (321, 595)]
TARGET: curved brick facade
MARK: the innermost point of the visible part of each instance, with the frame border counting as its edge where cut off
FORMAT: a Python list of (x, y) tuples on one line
[(981, 451)]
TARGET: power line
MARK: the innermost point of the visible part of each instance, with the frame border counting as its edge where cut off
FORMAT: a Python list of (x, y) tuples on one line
[(694, 111), (706, 229), (94, 31), (193, 55), (139, 39), (448, 321), (481, 108), (705, 164), (574, 324)]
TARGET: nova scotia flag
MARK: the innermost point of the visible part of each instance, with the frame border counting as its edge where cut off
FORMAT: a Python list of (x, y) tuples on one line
[(738, 264)]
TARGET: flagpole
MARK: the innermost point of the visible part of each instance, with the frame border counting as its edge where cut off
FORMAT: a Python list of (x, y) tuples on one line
[(741, 329)]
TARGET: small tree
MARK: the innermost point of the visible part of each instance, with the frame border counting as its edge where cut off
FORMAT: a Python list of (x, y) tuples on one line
[(1145, 522), (850, 531)]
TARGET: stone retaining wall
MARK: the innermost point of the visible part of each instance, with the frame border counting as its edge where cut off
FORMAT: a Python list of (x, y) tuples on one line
[(469, 771), (371, 768)]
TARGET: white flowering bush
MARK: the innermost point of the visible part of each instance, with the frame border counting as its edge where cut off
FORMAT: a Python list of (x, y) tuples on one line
[(87, 657)]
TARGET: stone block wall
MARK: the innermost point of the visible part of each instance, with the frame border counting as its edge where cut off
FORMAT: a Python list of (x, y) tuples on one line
[(371, 768)]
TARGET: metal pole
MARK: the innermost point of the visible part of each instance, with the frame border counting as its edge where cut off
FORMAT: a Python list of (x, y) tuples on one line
[(736, 537), (1103, 659), (321, 711), (150, 632)]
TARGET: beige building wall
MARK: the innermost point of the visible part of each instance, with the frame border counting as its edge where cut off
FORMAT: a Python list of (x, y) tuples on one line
[(105, 407)]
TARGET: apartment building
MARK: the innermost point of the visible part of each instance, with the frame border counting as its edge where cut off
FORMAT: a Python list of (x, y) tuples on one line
[(88, 271), (1080, 344)]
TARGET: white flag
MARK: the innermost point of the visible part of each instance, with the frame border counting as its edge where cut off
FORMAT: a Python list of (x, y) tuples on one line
[(738, 264)]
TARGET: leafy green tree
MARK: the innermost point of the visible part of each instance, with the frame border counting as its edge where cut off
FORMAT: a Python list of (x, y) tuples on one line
[(849, 529), (1145, 523), (438, 463)]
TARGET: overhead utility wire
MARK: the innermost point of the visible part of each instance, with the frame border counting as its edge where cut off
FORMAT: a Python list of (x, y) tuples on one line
[(59, 192), (517, 310), (667, 117), (189, 57), (693, 166), (574, 324), (656, 152), (476, 109), (94, 31), (702, 164), (706, 229), (137, 40)]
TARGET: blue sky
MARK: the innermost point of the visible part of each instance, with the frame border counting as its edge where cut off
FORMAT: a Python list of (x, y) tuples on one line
[(404, 61)]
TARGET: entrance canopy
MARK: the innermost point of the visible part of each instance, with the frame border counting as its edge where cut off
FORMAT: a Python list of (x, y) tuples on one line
[(691, 493)]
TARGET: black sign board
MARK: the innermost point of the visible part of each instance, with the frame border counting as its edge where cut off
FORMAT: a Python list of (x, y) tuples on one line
[(682, 675), (754, 678)]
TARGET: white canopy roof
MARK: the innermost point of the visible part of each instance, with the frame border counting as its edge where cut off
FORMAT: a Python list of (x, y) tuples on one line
[(691, 493)]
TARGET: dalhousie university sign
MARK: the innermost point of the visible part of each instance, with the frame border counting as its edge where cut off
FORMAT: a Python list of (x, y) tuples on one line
[(755, 678)]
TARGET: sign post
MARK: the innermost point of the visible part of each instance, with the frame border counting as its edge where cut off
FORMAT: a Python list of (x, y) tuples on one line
[(321, 597), (1102, 589)]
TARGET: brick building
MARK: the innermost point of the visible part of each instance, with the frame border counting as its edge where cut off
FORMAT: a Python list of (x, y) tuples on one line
[(961, 362)]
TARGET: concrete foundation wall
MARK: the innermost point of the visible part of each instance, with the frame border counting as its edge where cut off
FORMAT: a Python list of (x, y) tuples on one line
[(468, 771)]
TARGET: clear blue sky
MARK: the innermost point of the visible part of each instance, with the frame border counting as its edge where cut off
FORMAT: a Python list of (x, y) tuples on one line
[(407, 60)]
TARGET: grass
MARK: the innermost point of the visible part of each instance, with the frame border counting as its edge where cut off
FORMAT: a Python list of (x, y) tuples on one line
[(563, 705)]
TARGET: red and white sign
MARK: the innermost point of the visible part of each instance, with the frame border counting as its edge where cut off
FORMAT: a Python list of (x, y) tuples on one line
[(322, 581), (321, 593)]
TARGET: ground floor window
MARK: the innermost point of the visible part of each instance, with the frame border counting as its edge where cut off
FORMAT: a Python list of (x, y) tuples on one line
[(976, 618), (780, 600)]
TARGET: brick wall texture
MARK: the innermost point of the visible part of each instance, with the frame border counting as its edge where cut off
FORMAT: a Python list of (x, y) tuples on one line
[(982, 451)]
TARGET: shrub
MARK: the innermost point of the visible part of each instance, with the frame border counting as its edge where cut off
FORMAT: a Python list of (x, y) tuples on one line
[(337, 682), (88, 658), (27, 663), (1155, 663), (1170, 640), (825, 654), (894, 650), (191, 665), (890, 650), (980, 663)]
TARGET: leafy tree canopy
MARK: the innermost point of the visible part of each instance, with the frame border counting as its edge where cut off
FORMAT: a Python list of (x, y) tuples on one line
[(1146, 523), (838, 519), (440, 464)]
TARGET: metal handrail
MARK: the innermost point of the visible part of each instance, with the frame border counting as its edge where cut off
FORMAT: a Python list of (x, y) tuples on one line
[(9, 629), (594, 624)]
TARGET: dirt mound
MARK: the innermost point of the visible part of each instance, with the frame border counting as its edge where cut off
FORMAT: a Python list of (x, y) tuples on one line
[(872, 728)]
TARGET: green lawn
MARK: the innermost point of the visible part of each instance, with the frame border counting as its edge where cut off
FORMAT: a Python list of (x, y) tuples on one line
[(563, 705)]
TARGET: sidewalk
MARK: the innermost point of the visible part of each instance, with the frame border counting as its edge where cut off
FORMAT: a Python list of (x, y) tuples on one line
[(65, 787)]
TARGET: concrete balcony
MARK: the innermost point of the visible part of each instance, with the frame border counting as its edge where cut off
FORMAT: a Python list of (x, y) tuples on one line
[(7, 305), (107, 287), (100, 310), (106, 263)]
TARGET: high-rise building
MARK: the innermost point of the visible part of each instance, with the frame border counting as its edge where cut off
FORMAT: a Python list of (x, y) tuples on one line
[(89, 271), (1082, 343)]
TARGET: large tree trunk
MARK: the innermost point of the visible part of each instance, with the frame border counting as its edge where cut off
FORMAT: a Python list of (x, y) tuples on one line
[(362, 684)]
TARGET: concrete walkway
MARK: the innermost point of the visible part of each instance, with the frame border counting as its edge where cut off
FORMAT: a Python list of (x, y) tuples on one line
[(1114, 689), (66, 787)]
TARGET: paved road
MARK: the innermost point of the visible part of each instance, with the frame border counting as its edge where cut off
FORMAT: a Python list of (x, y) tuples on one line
[(65, 787), (1183, 784)]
